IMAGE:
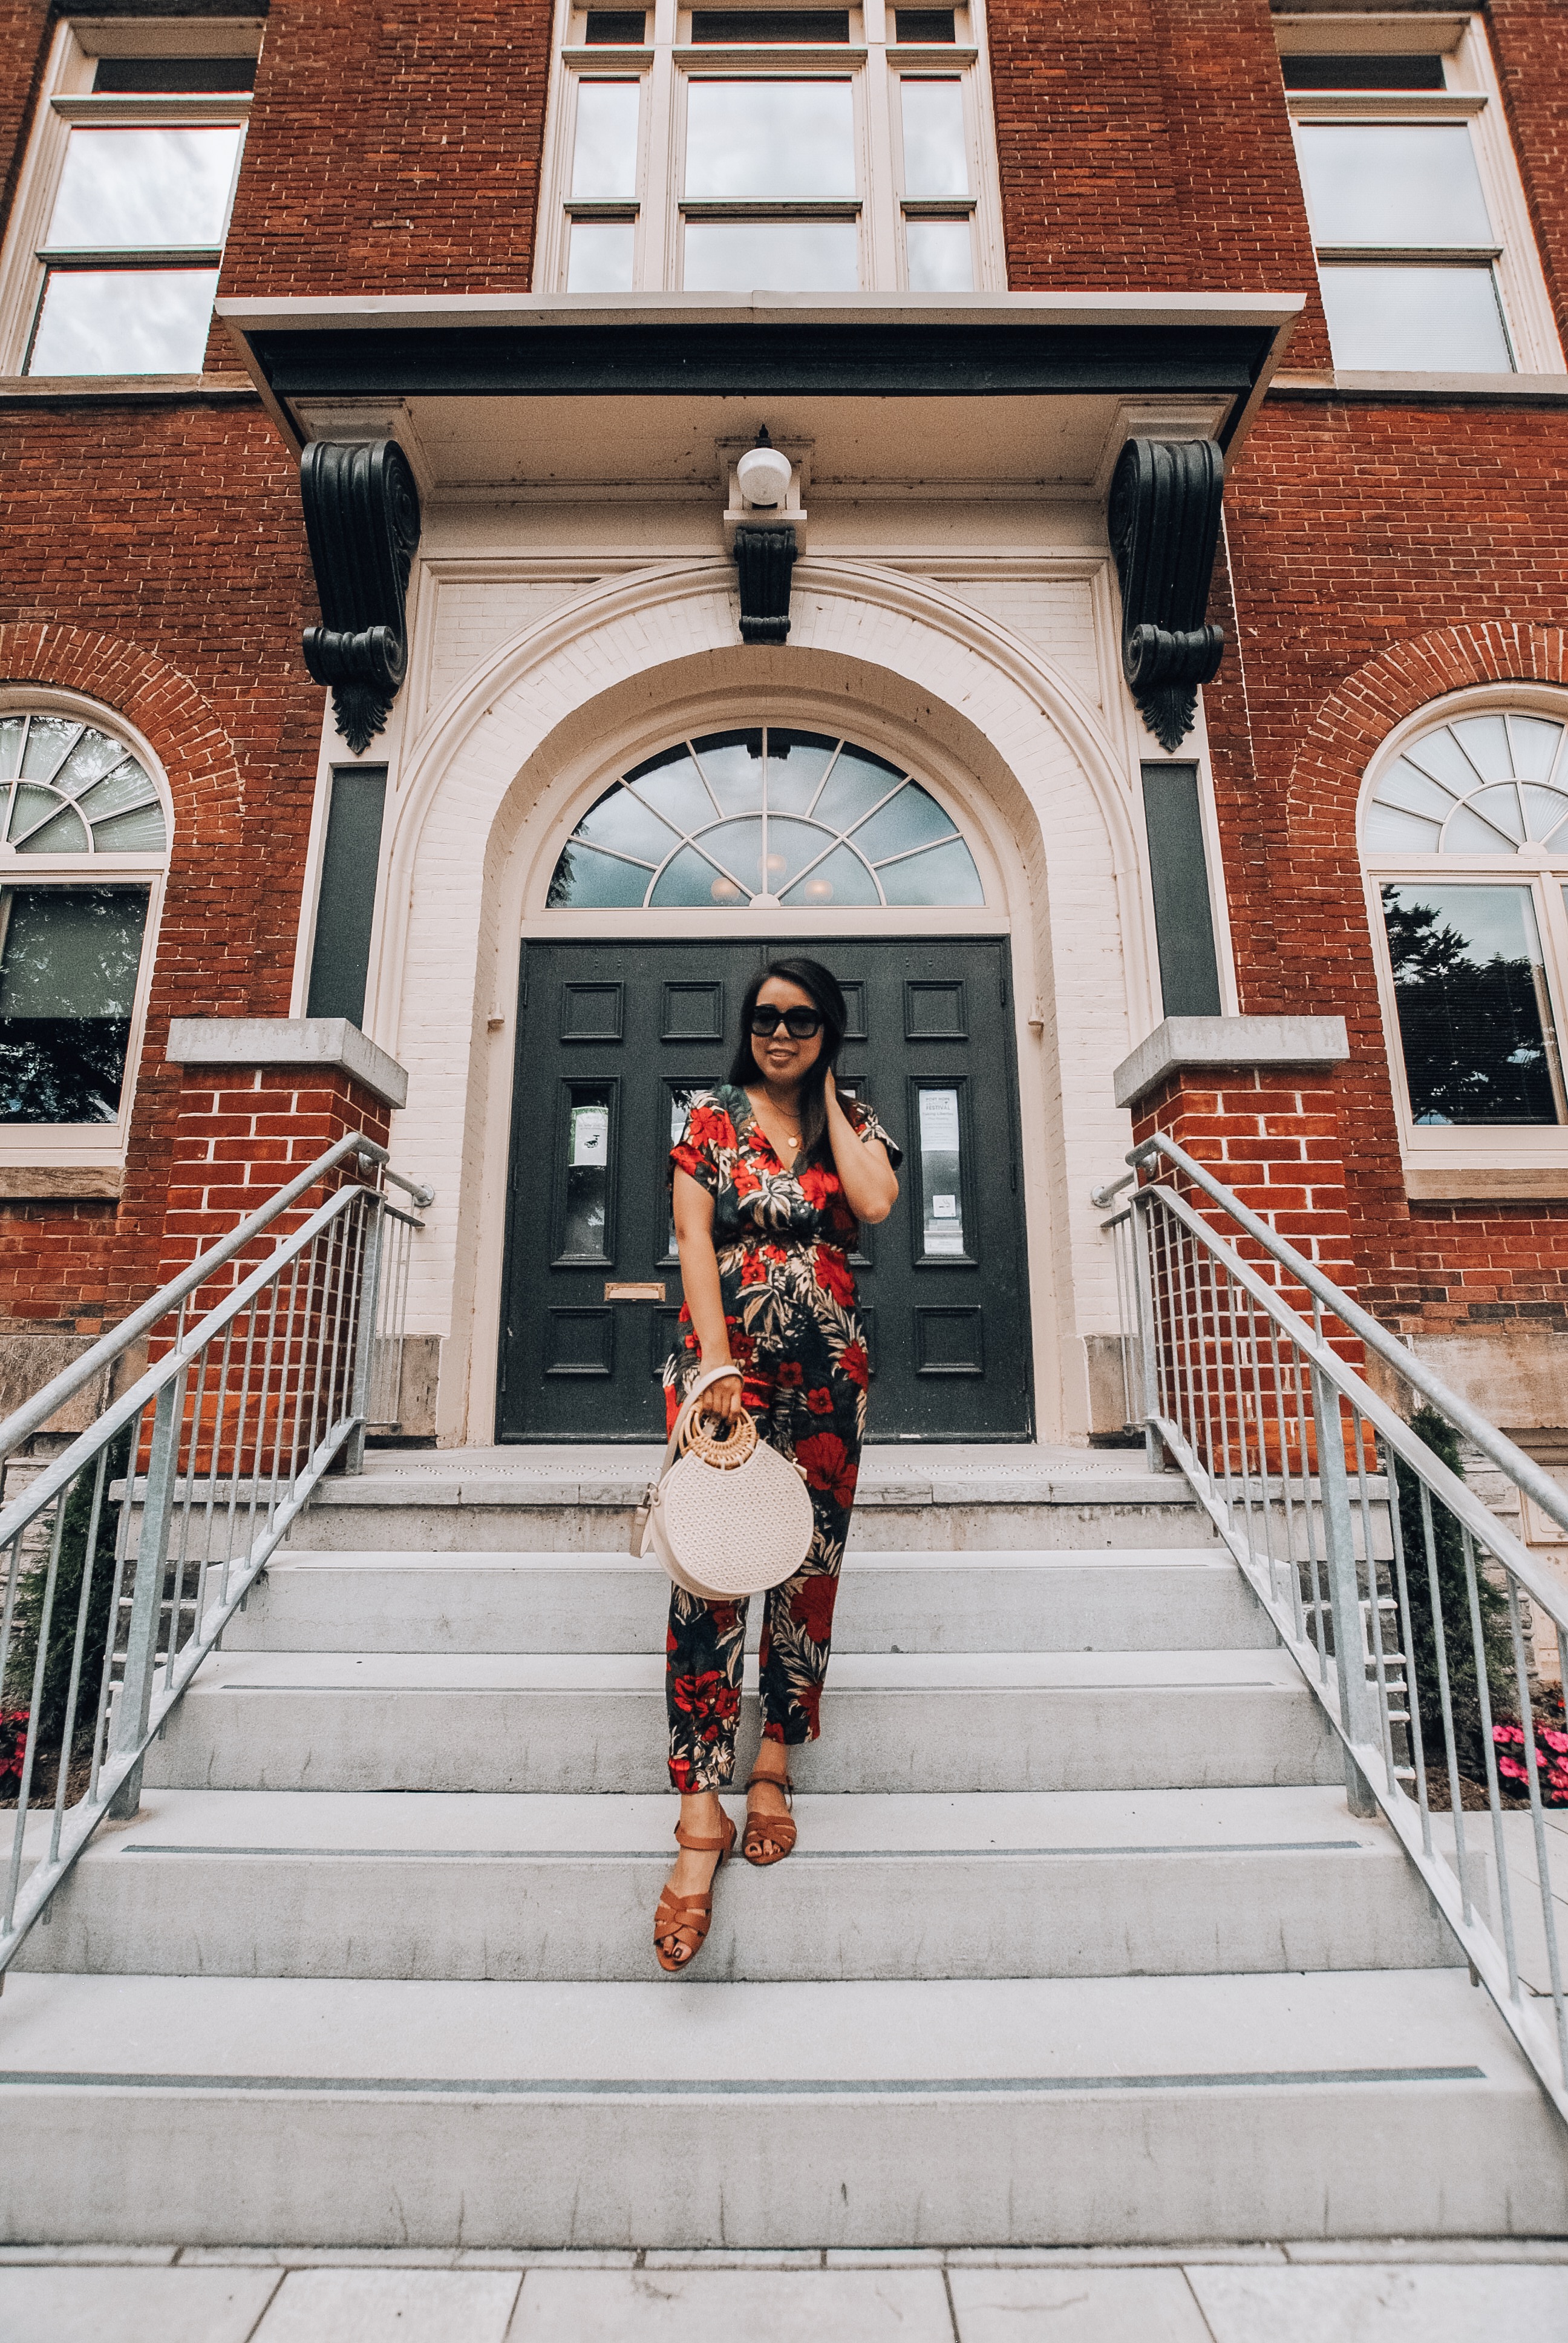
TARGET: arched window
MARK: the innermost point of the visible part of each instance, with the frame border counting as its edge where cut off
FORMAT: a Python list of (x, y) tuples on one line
[(83, 841), (1466, 835), (769, 815)]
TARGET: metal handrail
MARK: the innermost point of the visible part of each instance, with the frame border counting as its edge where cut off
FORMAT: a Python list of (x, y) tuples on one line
[(35, 1412), (1521, 1469), (279, 1370), (1281, 1438)]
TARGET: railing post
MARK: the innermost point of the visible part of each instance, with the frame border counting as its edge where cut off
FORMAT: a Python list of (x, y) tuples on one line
[(1142, 1216), (1344, 1587), (134, 1706), (365, 1331)]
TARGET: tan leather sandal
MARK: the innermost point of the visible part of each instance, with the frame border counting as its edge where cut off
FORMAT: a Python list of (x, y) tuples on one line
[(760, 1828), (688, 1918)]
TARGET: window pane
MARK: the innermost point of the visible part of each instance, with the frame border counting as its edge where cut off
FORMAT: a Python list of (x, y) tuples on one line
[(856, 782), (791, 846), (942, 1184), (941, 255), (943, 874), (1473, 1003), (585, 1235), (1392, 183), (1179, 882), (689, 880), (49, 739), (121, 188), (935, 157), (796, 764), (911, 818), (752, 141), (601, 257), (68, 987), (1415, 320), (732, 763), (772, 256), (672, 786), (604, 160), (124, 321), (622, 822), (839, 879), (584, 880)]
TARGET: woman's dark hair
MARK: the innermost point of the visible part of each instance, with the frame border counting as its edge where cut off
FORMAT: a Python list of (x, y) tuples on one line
[(822, 986)]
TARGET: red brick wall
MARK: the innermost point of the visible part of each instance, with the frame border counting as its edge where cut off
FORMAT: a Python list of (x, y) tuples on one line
[(240, 1134), (393, 148), (155, 562)]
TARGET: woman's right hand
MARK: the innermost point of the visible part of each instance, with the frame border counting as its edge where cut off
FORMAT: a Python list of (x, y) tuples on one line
[(722, 1401)]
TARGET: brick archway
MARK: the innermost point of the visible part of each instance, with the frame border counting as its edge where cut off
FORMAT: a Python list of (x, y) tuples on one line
[(195, 752), (1350, 725)]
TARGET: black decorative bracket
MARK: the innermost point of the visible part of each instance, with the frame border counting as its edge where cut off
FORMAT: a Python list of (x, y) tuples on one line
[(765, 558), (1164, 522), (361, 520)]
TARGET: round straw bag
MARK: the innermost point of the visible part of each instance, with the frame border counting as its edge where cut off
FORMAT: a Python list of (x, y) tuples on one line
[(728, 1517)]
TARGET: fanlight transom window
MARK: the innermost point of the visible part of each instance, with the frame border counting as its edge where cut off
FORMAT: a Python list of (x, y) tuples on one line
[(69, 788), (768, 815), (1479, 785)]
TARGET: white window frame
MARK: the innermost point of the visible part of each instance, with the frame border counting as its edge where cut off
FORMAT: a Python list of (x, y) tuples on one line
[(1494, 1148), (66, 101), (82, 1146), (1473, 94), (872, 61)]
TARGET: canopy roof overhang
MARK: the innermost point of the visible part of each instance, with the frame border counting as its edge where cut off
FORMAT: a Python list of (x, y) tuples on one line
[(1029, 393)]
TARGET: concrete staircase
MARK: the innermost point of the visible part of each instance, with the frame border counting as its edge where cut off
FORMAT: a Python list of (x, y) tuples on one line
[(1080, 1944)]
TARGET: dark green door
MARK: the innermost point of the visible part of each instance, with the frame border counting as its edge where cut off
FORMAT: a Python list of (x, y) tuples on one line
[(612, 1040)]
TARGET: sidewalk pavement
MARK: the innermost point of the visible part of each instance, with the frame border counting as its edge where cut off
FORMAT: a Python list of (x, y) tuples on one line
[(1425, 2291)]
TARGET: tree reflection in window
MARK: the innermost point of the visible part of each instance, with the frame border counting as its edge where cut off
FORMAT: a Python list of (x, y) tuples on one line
[(68, 964), (1475, 1016), (769, 815)]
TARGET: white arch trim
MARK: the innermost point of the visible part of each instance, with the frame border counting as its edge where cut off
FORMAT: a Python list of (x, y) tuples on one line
[(451, 913)]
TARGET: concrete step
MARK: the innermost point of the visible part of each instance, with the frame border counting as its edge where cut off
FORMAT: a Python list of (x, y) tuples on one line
[(916, 1500), (1071, 1884), (596, 1721), (1133, 1600), (1115, 2111)]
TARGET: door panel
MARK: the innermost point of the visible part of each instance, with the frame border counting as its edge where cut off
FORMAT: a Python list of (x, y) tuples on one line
[(605, 1069)]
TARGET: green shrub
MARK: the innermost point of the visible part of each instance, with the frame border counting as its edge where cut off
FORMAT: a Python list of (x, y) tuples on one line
[(29, 1609), (1453, 1599)]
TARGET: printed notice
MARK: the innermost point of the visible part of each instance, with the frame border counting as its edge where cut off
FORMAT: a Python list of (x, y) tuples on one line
[(590, 1136)]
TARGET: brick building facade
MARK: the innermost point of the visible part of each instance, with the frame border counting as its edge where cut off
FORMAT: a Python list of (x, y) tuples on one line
[(1023, 238)]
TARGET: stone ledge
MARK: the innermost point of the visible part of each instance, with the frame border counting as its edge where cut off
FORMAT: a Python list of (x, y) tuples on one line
[(322, 1044), (23, 1184), (1498, 1183), (1204, 1041)]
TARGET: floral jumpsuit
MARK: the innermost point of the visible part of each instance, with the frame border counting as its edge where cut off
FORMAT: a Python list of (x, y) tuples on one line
[(782, 1241)]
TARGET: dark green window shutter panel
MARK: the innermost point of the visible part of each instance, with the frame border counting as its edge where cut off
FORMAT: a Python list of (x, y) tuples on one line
[(340, 960), (1183, 924)]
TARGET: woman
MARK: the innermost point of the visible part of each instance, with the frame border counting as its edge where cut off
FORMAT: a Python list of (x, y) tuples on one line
[(771, 1176)]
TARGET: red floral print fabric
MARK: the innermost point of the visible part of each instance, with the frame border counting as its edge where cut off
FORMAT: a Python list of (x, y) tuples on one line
[(782, 1241)]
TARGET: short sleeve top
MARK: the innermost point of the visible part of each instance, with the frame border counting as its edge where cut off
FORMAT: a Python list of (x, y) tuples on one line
[(725, 1150)]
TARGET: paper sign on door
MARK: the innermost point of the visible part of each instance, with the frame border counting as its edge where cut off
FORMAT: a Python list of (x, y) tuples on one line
[(590, 1136)]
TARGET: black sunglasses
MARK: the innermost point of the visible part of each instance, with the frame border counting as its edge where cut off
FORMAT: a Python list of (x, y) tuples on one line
[(799, 1023)]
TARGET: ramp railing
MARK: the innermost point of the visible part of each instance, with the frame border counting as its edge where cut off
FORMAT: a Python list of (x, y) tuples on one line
[(1416, 1614), (123, 1559)]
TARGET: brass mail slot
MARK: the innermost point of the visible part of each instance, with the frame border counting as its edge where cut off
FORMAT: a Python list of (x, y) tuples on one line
[(650, 1292)]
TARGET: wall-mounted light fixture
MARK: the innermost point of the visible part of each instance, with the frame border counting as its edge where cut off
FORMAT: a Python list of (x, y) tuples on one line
[(765, 529)]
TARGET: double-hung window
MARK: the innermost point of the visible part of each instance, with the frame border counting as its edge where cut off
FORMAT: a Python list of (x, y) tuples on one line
[(1425, 253), (771, 149), (112, 263)]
